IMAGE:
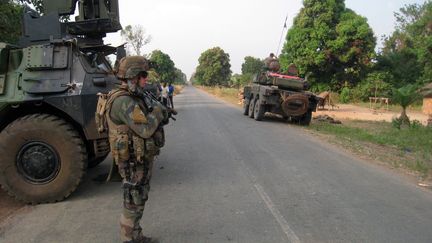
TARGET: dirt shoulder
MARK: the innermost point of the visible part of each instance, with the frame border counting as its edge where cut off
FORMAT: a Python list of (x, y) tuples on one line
[(354, 112)]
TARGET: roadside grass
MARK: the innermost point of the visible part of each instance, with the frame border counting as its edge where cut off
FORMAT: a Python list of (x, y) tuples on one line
[(230, 95), (178, 89), (409, 148)]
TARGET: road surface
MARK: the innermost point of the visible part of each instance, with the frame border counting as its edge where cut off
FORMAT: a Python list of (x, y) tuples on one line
[(225, 178)]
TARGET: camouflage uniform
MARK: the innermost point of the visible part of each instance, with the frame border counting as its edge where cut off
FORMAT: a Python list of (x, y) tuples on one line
[(132, 129)]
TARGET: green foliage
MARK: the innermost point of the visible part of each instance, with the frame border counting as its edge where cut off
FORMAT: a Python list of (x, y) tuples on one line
[(10, 21), (330, 42), (136, 37), (214, 68), (180, 77), (164, 66), (252, 65), (414, 141), (241, 80), (345, 95), (397, 123), (404, 97), (406, 53), (376, 84)]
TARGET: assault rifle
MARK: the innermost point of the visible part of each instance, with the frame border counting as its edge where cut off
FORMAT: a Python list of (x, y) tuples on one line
[(150, 101)]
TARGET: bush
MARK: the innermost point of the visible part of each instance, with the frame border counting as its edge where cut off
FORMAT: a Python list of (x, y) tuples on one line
[(397, 123), (345, 95), (376, 84), (319, 87)]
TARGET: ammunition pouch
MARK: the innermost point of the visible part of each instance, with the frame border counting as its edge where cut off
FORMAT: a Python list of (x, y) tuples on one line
[(119, 142)]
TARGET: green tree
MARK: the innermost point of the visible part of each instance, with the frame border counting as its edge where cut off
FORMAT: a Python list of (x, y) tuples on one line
[(164, 66), (214, 67), (406, 53), (180, 77), (10, 21), (252, 65), (330, 43), (136, 37), (405, 97)]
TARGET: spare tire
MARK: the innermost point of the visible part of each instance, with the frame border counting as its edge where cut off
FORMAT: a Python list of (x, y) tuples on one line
[(43, 159), (295, 105)]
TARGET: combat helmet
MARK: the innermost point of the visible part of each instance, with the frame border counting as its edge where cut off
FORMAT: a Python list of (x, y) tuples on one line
[(130, 67)]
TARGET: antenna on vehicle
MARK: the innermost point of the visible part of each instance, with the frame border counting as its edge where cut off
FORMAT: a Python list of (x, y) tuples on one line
[(282, 34)]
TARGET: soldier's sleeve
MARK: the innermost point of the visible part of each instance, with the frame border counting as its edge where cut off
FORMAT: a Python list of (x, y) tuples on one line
[(125, 110)]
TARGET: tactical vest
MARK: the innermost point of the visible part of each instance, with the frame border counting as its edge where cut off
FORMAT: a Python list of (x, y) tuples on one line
[(126, 146)]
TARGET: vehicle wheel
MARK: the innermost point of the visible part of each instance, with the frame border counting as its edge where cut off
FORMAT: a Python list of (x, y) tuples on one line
[(246, 107), (259, 111), (43, 159), (306, 119), (251, 107), (95, 162)]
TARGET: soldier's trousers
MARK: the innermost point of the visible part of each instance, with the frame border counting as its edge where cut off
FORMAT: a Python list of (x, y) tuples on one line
[(136, 189)]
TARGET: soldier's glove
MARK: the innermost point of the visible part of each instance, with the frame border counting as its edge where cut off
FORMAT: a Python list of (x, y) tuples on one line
[(158, 113), (167, 116), (172, 111)]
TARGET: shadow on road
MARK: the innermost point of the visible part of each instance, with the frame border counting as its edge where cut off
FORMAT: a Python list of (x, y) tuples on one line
[(8, 205)]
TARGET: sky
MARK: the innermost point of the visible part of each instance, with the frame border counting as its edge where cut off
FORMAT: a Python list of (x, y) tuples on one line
[(185, 28)]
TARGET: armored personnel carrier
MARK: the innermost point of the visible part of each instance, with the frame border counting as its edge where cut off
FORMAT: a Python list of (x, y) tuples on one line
[(280, 94), (48, 87)]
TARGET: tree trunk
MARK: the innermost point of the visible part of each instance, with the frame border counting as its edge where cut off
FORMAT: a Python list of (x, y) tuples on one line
[(404, 117)]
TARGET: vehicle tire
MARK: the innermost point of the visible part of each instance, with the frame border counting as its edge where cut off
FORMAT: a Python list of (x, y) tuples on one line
[(252, 107), (95, 162), (246, 107), (43, 159), (259, 111), (306, 119)]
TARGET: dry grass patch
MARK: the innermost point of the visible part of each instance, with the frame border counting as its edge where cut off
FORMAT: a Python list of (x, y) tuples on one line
[(230, 95)]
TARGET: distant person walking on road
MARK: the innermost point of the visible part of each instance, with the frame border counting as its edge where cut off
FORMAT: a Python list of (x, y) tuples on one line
[(165, 94), (171, 89)]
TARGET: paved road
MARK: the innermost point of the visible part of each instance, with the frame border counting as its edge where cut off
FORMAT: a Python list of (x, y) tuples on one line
[(225, 178)]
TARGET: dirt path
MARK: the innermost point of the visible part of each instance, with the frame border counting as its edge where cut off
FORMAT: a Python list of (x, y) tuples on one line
[(354, 112)]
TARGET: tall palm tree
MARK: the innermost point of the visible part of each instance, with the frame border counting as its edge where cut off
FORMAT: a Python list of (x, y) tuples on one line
[(405, 97)]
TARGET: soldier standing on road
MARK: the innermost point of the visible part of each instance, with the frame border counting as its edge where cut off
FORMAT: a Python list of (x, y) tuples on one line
[(132, 128)]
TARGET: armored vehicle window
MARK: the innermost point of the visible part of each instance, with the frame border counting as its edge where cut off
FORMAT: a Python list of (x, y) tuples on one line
[(98, 61)]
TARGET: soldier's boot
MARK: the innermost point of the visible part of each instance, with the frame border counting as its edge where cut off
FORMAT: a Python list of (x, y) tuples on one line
[(143, 239)]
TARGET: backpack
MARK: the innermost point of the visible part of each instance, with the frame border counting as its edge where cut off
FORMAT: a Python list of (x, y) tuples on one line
[(104, 104)]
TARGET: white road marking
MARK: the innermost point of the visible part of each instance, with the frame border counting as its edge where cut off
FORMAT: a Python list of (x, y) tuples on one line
[(292, 237)]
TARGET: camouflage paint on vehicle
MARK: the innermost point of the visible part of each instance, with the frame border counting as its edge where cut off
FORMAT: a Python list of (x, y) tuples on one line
[(284, 95), (56, 69)]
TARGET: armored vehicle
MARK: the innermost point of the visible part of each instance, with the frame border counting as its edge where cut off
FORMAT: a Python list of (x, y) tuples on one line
[(48, 87), (284, 95)]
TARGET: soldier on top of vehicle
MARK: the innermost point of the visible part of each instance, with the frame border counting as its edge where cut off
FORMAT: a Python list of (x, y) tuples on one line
[(271, 63)]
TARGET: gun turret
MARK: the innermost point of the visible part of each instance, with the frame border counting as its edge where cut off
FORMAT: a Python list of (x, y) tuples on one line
[(95, 19)]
